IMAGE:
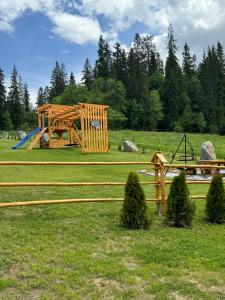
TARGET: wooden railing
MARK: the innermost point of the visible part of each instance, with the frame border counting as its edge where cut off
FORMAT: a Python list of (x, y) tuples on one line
[(158, 163), (68, 184)]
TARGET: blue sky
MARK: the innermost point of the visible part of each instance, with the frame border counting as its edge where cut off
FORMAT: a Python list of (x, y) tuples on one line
[(36, 33)]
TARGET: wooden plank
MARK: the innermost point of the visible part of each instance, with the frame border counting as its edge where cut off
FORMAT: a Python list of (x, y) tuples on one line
[(177, 166), (18, 184), (37, 138), (73, 163), (46, 202)]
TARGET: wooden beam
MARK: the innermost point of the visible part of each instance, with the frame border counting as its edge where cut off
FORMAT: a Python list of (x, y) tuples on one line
[(46, 202), (177, 166), (73, 163), (17, 184), (74, 108)]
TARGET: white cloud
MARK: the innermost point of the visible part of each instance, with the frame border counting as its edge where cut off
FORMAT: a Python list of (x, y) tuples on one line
[(74, 28), (199, 22)]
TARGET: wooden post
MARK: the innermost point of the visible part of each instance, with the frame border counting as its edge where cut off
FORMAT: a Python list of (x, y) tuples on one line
[(160, 185), (157, 190), (163, 187)]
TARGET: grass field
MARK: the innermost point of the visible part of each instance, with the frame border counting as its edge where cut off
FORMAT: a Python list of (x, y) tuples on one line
[(79, 251)]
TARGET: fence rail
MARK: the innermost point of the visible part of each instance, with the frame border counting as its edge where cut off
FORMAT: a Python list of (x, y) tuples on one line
[(158, 163)]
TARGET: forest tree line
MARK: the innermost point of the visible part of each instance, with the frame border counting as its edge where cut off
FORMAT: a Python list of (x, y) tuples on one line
[(142, 93)]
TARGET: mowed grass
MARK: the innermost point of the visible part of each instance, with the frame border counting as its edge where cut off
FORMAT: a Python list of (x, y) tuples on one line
[(79, 251)]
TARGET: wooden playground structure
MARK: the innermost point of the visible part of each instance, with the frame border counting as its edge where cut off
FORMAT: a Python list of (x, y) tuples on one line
[(159, 182), (83, 125)]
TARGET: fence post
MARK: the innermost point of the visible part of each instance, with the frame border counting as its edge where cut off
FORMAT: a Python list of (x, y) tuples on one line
[(157, 189), (160, 186), (163, 187)]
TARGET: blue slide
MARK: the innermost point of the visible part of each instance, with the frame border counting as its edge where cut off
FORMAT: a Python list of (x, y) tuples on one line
[(27, 137)]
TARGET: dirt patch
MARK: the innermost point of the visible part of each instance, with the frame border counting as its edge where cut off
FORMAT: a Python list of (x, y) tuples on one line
[(129, 263), (14, 272), (177, 296)]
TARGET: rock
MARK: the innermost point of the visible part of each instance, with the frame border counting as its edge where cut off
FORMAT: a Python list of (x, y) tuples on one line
[(128, 146), (207, 151), (45, 137), (21, 134)]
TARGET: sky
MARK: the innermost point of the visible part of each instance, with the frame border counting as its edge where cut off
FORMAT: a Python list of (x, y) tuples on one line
[(34, 34)]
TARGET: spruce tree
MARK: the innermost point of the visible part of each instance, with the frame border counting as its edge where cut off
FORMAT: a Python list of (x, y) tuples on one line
[(173, 84), (215, 201), (134, 212), (88, 75), (188, 62), (104, 62), (26, 99), (14, 102), (119, 65), (58, 81), (72, 79), (40, 97), (2, 99), (180, 209)]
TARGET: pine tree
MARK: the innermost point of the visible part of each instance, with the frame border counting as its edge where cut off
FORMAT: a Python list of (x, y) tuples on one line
[(134, 212), (72, 79), (188, 62), (2, 99), (13, 102), (180, 209), (173, 85), (104, 62), (119, 65), (26, 99), (215, 201), (40, 97), (88, 75), (213, 87), (46, 93), (58, 81)]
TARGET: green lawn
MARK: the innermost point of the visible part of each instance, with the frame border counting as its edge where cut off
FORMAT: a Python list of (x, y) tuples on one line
[(79, 251)]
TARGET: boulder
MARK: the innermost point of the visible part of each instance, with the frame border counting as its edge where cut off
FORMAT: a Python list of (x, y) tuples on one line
[(45, 137), (128, 146), (207, 151), (21, 134)]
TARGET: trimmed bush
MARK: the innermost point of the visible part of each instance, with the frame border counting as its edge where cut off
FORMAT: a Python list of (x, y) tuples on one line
[(215, 201), (180, 209), (134, 212)]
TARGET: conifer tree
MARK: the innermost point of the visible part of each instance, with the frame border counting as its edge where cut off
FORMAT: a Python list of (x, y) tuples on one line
[(72, 79), (26, 98), (188, 62), (134, 212), (173, 84), (2, 99), (180, 209), (215, 201), (213, 87), (119, 65), (14, 101), (88, 75), (58, 81), (40, 97), (104, 62)]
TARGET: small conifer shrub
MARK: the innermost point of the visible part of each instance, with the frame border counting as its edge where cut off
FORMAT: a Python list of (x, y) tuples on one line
[(134, 213), (180, 209), (215, 201)]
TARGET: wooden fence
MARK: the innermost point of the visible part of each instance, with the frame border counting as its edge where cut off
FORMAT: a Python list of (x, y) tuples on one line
[(158, 163)]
